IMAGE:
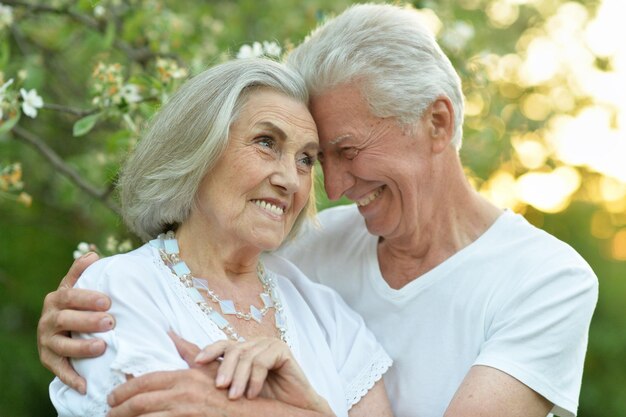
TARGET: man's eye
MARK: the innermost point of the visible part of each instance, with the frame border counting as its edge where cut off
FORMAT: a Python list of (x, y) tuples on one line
[(350, 153)]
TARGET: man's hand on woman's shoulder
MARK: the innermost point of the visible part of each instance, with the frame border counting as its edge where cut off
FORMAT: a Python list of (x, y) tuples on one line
[(72, 310)]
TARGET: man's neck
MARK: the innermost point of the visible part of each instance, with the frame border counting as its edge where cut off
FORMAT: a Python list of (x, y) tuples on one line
[(463, 218)]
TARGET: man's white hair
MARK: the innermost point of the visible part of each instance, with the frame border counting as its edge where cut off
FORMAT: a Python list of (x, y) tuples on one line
[(392, 57)]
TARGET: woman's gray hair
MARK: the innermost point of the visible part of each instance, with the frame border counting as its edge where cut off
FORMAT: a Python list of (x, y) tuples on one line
[(390, 54), (185, 139)]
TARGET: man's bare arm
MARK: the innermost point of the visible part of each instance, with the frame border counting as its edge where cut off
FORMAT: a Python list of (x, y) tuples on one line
[(489, 392)]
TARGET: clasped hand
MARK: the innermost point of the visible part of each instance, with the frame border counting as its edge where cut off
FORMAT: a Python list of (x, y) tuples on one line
[(262, 367)]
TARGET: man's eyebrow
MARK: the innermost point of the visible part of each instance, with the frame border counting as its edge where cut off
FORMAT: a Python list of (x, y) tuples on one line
[(339, 139)]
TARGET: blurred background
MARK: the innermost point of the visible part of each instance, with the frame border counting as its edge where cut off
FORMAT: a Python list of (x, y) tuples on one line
[(545, 135)]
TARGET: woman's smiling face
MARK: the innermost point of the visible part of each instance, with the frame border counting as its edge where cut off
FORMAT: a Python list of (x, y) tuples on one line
[(258, 187)]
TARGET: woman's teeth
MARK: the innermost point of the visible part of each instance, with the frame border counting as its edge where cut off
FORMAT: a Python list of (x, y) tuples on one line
[(269, 207)]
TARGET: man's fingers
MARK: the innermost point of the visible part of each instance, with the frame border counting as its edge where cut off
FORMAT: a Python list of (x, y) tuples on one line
[(82, 321), (145, 404), (66, 347), (77, 299), (154, 381), (68, 375), (77, 268), (187, 350)]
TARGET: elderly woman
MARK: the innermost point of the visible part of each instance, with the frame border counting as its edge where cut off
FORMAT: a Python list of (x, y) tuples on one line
[(223, 175)]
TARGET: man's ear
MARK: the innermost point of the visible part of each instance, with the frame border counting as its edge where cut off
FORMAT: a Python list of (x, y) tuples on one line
[(440, 123)]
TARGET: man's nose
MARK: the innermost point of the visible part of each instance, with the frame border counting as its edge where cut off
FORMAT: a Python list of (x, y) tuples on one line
[(337, 179)]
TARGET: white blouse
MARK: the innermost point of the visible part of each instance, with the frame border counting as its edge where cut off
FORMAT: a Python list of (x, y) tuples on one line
[(337, 353)]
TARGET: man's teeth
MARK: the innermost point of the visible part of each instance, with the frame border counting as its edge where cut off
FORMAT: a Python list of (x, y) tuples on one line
[(369, 198), (269, 207)]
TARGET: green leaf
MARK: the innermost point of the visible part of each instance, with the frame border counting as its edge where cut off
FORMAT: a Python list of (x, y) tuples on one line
[(109, 34), (84, 125), (8, 124)]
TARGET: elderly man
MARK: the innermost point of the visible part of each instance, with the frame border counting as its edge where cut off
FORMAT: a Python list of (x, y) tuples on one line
[(483, 314)]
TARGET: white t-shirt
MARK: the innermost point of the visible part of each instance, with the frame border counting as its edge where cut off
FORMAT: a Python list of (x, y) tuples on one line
[(516, 299), (339, 356)]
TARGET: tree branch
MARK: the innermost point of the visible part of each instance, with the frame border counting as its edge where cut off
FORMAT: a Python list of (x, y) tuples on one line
[(141, 55), (57, 162), (71, 110)]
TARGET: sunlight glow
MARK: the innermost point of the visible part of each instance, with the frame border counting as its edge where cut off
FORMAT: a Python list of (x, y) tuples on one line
[(618, 247), (589, 140), (502, 13), (500, 190), (542, 62), (549, 192), (530, 150), (536, 106)]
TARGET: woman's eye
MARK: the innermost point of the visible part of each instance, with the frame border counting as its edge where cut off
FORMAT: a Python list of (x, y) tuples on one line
[(350, 153), (266, 142), (307, 160)]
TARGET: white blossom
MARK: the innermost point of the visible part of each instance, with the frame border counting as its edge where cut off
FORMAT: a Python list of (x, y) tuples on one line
[(125, 246), (81, 249), (130, 93), (247, 51), (4, 87), (271, 49), (32, 102), (6, 16), (178, 73), (111, 244), (258, 49), (99, 11)]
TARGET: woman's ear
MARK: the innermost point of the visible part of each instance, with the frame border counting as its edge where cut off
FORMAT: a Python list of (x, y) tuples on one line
[(441, 123)]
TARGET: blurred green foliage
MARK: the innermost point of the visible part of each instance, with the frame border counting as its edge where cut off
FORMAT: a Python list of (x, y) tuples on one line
[(103, 67)]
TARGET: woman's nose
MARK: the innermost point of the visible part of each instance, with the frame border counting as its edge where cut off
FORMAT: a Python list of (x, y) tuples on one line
[(286, 176)]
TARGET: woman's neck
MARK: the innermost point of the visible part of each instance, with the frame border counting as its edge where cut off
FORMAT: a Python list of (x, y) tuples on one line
[(210, 255)]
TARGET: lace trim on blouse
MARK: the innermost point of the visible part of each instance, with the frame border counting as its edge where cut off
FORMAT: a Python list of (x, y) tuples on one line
[(122, 365), (367, 378)]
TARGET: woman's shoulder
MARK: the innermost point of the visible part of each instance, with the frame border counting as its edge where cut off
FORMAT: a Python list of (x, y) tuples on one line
[(127, 269)]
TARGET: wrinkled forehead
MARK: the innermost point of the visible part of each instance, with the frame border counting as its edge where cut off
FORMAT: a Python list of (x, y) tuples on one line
[(274, 111), (342, 113)]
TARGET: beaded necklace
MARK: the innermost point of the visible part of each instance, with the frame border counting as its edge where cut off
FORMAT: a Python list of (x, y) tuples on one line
[(170, 254)]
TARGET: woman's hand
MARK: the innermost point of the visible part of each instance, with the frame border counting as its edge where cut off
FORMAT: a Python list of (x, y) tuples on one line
[(262, 367), (192, 392), (72, 310)]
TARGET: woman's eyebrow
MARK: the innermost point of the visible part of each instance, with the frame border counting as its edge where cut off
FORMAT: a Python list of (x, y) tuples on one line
[(283, 136), (271, 126)]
